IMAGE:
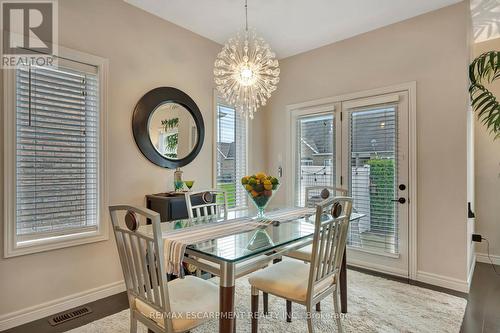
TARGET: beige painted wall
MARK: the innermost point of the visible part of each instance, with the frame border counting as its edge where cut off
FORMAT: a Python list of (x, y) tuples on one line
[(431, 49), (488, 172), (144, 52)]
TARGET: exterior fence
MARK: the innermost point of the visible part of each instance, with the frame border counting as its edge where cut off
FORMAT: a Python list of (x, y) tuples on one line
[(371, 196)]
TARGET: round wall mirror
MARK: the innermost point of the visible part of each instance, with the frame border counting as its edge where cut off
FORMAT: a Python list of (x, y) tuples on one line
[(172, 131), (168, 127)]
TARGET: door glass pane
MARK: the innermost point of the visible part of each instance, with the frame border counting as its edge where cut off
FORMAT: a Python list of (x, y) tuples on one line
[(373, 178), (315, 156)]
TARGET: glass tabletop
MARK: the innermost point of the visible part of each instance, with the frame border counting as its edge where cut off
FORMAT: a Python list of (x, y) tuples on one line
[(240, 246)]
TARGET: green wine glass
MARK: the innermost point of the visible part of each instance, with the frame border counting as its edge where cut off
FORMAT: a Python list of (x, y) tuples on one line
[(189, 183)]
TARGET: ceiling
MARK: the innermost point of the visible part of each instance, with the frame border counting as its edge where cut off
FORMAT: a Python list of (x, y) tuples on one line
[(295, 26)]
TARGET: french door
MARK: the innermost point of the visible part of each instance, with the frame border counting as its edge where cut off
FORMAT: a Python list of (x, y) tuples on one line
[(375, 171), (361, 145)]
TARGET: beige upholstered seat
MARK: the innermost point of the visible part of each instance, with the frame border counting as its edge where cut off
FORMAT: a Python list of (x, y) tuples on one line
[(288, 279), (304, 253), (189, 299)]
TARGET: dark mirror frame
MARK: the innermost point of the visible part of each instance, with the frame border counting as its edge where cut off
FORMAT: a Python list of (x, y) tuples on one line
[(140, 120)]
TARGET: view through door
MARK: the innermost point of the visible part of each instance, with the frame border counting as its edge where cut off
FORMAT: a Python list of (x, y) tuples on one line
[(362, 147), (375, 167), (315, 156)]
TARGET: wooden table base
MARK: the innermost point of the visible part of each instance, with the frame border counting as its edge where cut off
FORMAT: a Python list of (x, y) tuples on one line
[(343, 284), (227, 323)]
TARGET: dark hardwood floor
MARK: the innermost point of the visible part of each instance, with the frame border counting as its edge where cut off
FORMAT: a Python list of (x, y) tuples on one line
[(483, 308), (482, 314), (100, 308)]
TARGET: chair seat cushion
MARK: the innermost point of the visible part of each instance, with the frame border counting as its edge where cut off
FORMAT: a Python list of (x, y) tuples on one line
[(304, 253), (191, 300), (288, 279)]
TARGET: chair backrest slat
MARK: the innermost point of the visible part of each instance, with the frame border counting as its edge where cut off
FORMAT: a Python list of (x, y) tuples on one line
[(207, 209), (343, 231), (131, 262), (153, 273), (145, 273), (329, 241), (328, 234), (331, 257), (120, 240), (142, 260), (321, 252), (137, 264)]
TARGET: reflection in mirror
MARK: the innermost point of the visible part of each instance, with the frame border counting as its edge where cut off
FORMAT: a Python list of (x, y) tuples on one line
[(172, 131)]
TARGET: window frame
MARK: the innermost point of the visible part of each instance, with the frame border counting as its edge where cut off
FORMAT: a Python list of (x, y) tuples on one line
[(56, 240), (217, 100)]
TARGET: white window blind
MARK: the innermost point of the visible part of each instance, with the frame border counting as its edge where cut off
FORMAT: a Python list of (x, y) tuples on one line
[(231, 154), (57, 140), (315, 155), (373, 171)]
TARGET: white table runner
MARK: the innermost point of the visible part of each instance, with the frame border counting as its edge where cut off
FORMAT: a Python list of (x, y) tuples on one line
[(176, 241)]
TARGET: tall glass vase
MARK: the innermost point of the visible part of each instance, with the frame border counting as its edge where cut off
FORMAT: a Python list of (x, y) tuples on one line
[(261, 200)]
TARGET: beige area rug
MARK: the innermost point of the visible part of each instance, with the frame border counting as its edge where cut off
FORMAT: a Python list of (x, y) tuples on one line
[(375, 305)]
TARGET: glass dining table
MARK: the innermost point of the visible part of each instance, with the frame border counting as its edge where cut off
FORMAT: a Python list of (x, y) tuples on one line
[(236, 255)]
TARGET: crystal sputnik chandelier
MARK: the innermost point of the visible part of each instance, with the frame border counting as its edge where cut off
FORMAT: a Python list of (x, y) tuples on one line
[(246, 71)]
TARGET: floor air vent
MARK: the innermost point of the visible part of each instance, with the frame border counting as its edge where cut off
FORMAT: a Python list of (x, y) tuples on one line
[(69, 315)]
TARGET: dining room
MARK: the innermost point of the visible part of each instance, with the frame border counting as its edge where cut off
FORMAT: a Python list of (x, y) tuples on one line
[(250, 166)]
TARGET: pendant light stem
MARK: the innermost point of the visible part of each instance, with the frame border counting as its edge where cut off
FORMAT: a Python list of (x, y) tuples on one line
[(246, 15)]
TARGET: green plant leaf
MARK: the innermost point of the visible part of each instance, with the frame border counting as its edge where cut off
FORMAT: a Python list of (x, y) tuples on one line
[(486, 67)]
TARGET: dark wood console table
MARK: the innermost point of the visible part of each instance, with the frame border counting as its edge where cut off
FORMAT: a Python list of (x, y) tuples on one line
[(171, 205)]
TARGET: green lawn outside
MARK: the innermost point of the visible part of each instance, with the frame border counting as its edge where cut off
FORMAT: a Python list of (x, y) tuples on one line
[(230, 189)]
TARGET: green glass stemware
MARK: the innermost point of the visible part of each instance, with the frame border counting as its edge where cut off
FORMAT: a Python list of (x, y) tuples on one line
[(189, 183)]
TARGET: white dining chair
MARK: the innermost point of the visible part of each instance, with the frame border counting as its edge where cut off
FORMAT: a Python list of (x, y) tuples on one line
[(213, 203), (315, 194), (163, 307), (311, 199), (219, 208), (308, 284)]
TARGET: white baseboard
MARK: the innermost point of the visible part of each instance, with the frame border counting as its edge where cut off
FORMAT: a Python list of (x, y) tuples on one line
[(483, 257), (35, 312), (443, 281)]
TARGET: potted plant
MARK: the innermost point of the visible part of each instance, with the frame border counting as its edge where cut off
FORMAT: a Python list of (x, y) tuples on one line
[(486, 68)]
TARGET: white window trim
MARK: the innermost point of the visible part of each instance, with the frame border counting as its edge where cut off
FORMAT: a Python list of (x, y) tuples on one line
[(248, 130), (11, 247)]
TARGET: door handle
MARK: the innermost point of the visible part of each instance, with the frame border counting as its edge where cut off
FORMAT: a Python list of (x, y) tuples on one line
[(400, 200)]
